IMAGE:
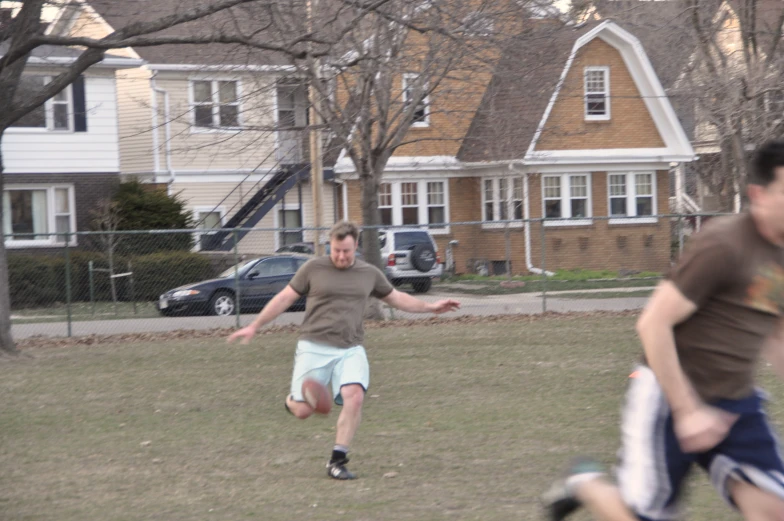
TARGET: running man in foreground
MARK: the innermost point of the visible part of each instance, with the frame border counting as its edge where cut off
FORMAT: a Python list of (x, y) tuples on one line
[(694, 400)]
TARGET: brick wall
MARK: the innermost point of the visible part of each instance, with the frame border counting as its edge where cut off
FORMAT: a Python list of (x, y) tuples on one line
[(600, 246), (630, 126)]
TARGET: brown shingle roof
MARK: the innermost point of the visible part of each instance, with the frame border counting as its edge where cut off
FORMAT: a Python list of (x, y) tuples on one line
[(247, 18), (518, 94)]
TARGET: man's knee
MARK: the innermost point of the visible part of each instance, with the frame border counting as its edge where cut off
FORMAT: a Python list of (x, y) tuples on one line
[(756, 504), (353, 394)]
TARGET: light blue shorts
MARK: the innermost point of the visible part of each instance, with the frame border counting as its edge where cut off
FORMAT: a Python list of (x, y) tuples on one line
[(323, 363)]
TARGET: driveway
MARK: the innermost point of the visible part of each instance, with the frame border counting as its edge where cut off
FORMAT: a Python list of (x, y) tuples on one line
[(513, 304)]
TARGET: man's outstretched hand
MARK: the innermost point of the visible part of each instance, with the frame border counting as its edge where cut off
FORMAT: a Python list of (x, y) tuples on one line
[(444, 306)]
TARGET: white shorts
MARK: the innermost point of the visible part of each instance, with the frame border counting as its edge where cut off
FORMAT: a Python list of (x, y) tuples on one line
[(325, 364)]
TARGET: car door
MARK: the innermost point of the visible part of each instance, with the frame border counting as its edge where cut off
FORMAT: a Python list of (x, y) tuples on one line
[(267, 278)]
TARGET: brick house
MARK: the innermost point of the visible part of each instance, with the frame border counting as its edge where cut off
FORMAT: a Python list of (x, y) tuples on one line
[(62, 158), (575, 130)]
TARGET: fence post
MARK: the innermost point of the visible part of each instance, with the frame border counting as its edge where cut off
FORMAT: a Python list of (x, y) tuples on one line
[(680, 234), (92, 286), (544, 267), (236, 280), (133, 292), (508, 252), (68, 280)]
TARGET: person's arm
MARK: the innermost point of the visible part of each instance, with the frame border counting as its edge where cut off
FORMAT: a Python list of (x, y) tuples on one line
[(665, 309), (773, 350), (279, 303), (405, 302), (698, 426)]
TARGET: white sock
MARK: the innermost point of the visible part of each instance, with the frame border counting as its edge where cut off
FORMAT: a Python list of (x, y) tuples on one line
[(575, 480)]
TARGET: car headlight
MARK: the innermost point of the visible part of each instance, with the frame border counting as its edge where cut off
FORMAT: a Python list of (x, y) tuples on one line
[(185, 293)]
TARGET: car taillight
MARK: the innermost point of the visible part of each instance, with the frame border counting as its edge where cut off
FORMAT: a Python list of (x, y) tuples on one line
[(391, 260), (438, 258)]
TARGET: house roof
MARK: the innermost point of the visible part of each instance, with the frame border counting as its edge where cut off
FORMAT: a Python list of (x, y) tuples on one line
[(663, 28), (518, 94), (54, 55), (247, 18), (526, 84)]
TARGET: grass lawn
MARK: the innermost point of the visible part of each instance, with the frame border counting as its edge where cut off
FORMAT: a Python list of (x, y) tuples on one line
[(85, 311), (474, 419)]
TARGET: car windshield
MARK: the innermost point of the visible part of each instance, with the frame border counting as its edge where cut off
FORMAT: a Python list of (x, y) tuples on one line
[(242, 267), (407, 240)]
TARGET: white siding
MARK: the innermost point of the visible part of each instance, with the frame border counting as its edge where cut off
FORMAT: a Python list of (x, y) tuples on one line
[(136, 122), (64, 152)]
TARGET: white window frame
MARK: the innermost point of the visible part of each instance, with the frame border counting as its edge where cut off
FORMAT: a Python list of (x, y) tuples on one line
[(51, 217), (631, 199), (49, 113), (206, 209), (566, 198), (606, 92), (509, 201), (410, 78), (216, 104), (422, 206), (391, 204), (276, 220)]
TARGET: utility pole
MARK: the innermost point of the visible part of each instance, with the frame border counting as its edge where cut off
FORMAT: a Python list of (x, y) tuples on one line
[(316, 165)]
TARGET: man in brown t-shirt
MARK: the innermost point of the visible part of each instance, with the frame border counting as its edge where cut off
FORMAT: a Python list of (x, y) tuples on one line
[(330, 346), (693, 401)]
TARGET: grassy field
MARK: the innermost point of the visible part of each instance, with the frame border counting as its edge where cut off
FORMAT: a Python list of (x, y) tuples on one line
[(463, 421)]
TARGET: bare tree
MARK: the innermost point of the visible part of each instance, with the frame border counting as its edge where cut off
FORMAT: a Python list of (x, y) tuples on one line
[(106, 219), (407, 63), (722, 63), (229, 23)]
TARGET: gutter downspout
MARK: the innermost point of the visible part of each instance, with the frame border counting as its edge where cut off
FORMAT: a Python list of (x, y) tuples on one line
[(167, 131), (527, 227)]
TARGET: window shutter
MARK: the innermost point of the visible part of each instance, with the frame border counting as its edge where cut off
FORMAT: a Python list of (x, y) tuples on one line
[(79, 104)]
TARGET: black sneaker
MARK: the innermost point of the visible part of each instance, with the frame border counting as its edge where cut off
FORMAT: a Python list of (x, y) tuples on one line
[(337, 470), (559, 501)]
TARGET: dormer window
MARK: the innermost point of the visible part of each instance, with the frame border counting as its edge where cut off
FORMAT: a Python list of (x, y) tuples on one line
[(597, 93)]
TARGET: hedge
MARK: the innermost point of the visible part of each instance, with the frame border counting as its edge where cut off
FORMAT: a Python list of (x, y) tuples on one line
[(39, 280)]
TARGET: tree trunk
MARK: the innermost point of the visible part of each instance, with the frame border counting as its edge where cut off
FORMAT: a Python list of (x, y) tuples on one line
[(371, 218), (7, 345)]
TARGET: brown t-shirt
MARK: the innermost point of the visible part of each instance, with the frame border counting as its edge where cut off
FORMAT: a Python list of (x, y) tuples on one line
[(337, 300), (736, 279)]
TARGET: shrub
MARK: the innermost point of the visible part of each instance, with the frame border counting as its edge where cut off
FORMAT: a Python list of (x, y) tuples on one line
[(144, 207), (39, 280)]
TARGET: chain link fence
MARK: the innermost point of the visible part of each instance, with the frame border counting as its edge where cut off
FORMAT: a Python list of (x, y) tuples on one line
[(130, 282)]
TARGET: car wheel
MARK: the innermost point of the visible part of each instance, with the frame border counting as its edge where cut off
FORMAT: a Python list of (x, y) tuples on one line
[(423, 257), (222, 304), (422, 286)]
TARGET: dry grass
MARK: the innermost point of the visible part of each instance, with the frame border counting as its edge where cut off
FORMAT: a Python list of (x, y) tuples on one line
[(474, 418)]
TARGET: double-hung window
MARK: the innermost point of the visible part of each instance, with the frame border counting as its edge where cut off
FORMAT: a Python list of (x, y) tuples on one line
[(567, 196), (632, 195), (502, 199), (208, 220), (597, 93), (215, 104), (422, 110), (385, 206), (56, 114), (414, 203), (38, 215)]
